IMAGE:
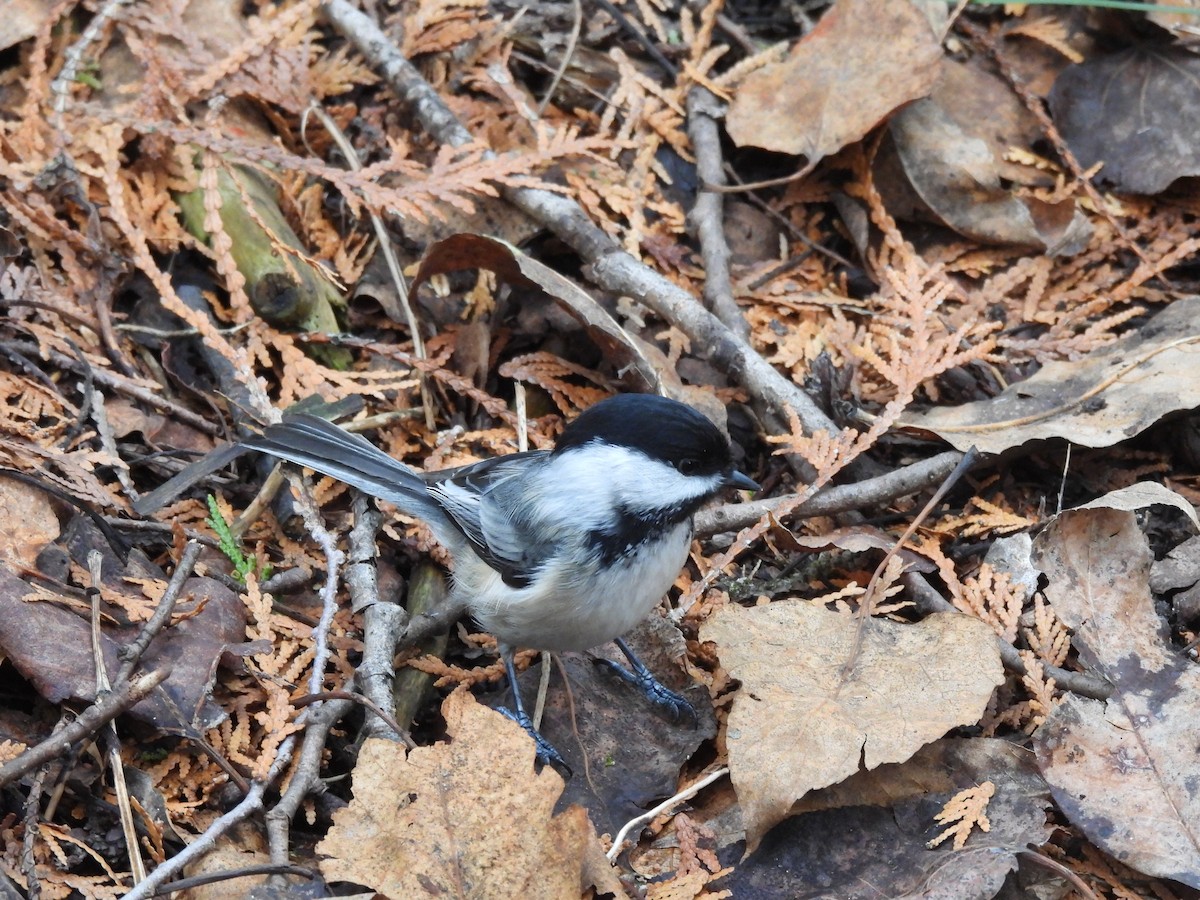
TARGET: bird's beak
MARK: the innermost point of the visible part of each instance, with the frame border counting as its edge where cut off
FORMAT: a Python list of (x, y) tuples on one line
[(741, 482)]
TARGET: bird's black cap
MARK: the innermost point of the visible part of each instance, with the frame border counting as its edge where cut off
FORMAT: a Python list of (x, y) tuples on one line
[(661, 428)]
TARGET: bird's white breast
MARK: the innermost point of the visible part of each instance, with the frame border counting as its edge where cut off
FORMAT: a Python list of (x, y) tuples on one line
[(575, 607)]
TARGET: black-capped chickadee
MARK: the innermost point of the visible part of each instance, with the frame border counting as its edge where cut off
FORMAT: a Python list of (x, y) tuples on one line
[(553, 550)]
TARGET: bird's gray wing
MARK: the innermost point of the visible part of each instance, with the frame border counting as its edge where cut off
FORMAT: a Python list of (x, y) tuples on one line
[(485, 501)]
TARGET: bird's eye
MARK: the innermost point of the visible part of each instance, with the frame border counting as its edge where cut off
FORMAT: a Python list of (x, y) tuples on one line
[(689, 466)]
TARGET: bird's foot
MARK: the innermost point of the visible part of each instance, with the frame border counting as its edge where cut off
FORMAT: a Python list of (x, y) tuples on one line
[(676, 705), (546, 754)]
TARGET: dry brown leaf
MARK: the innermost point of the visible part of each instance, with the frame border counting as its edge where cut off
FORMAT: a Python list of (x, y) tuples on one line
[(798, 723), (473, 251), (23, 19), (27, 522), (839, 82), (467, 818), (935, 168), (1136, 111), (1105, 398), (1123, 771)]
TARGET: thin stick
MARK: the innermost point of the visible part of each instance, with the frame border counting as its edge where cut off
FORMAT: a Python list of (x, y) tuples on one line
[(572, 43), (609, 266), (94, 717), (651, 815), (132, 653), (137, 866), (864, 609), (389, 256), (707, 217)]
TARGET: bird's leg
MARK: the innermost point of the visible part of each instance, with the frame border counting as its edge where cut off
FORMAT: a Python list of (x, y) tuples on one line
[(545, 750), (640, 677)]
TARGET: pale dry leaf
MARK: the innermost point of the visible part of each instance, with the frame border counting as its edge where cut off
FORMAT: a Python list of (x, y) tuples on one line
[(463, 818), (1122, 770), (1107, 397), (800, 722), (27, 522)]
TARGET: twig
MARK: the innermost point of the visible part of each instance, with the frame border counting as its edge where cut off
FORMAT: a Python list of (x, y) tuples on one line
[(611, 267), (137, 866), (640, 36), (650, 815), (90, 720), (205, 843), (120, 384), (383, 620), (707, 217), (426, 592), (61, 86), (930, 600), (108, 443), (423, 627), (333, 563), (866, 605), (131, 653), (389, 257), (187, 884), (304, 777), (365, 703), (33, 805), (572, 43), (873, 492)]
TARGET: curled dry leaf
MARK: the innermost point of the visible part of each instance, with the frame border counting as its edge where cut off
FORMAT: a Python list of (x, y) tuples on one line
[(633, 751), (986, 107), (1123, 771), (467, 818), (474, 251), (1137, 111), (891, 810), (1107, 397), (801, 722), (953, 178), (839, 82)]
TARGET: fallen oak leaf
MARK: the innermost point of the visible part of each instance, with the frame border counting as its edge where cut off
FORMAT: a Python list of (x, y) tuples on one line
[(796, 725), (464, 818), (1109, 396)]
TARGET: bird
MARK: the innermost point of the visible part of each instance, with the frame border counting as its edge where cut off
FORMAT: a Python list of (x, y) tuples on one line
[(555, 550)]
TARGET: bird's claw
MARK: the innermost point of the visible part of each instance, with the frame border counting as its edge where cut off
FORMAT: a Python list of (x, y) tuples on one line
[(676, 705), (546, 754)]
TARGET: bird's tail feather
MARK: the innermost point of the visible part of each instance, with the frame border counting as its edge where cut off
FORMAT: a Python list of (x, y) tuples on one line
[(324, 447)]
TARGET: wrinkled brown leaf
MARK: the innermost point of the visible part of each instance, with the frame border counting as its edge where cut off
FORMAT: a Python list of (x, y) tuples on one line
[(1137, 111), (796, 725), (467, 818), (634, 751), (840, 81), (1105, 398), (49, 645), (22, 19), (985, 106), (912, 793), (1123, 771)]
